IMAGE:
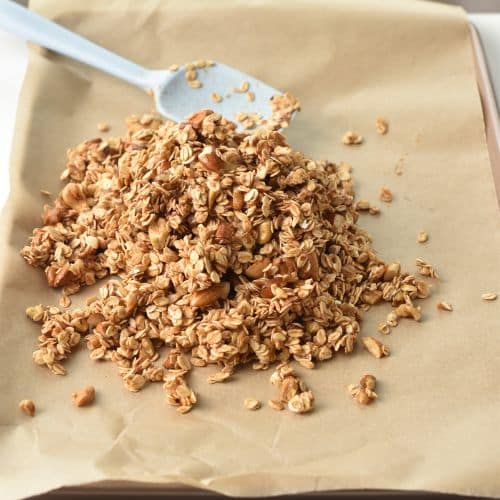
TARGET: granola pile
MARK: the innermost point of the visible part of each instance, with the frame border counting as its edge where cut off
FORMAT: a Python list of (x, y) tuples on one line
[(230, 248)]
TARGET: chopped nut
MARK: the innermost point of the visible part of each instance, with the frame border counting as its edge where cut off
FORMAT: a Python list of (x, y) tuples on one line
[(422, 237), (352, 138), (244, 86), (250, 96), (84, 396), (196, 119), (252, 404), (373, 346), (59, 277), (224, 233), (374, 210), (382, 126), (103, 127), (256, 270), (444, 306), (210, 161), (265, 232), (203, 298), (385, 195), (489, 296), (28, 407)]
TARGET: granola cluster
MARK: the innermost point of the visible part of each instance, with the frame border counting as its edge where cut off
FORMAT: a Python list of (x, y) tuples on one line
[(230, 248)]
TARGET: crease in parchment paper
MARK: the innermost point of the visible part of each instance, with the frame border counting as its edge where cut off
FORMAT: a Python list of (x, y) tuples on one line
[(434, 425)]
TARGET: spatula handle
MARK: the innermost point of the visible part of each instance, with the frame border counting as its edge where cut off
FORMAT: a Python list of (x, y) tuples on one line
[(34, 28)]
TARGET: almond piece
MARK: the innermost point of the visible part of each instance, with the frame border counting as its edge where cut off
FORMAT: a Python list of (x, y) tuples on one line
[(373, 346), (84, 396), (203, 298), (28, 407), (224, 233), (238, 200), (252, 404), (196, 119), (265, 232), (444, 306), (210, 161), (256, 270), (59, 277)]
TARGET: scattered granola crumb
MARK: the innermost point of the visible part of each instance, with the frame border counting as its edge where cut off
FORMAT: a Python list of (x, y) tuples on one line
[(364, 393), (373, 210), (103, 127), (36, 313), (301, 403), (382, 126), (215, 97), (178, 392), (409, 311), (444, 306), (384, 328), (84, 396), (28, 407), (385, 195), (425, 269), (244, 86), (252, 404), (250, 96), (149, 92), (45, 193), (352, 138), (292, 391), (64, 301), (363, 205), (195, 84), (276, 405), (489, 296), (375, 347), (173, 67), (422, 237), (399, 168), (392, 317)]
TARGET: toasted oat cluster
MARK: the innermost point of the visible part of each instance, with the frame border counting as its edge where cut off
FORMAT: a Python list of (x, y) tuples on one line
[(230, 248)]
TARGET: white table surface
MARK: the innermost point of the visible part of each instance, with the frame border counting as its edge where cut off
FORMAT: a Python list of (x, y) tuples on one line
[(13, 57)]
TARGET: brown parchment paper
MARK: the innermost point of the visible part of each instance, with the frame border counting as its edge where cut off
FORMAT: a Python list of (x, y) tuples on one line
[(435, 426)]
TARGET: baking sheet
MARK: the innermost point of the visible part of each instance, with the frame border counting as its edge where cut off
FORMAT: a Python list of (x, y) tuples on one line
[(434, 427)]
